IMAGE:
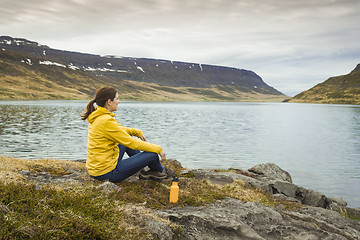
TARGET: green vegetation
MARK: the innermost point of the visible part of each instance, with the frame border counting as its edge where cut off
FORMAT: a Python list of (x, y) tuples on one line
[(349, 213), (336, 90), (48, 213)]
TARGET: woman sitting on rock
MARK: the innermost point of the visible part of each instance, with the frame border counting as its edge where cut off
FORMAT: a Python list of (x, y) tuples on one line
[(108, 141)]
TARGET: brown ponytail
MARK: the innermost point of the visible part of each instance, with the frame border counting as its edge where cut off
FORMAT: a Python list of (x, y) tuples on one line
[(101, 96)]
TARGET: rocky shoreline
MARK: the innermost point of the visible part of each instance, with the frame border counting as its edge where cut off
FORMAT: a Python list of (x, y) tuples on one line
[(315, 216)]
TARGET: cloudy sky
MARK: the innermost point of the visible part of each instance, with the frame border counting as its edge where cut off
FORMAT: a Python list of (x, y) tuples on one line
[(291, 44)]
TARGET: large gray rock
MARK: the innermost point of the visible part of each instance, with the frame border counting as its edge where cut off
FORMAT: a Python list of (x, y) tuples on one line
[(338, 204), (286, 188), (338, 201), (311, 197), (272, 171), (234, 219)]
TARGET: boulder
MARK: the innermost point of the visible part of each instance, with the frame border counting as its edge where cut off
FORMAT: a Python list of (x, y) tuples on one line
[(272, 171), (311, 197), (337, 204), (286, 188), (338, 201)]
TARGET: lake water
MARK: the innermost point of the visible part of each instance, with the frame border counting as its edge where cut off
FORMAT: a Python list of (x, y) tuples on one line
[(319, 145)]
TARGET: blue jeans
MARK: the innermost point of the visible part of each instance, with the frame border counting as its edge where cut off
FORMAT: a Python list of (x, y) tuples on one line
[(126, 167)]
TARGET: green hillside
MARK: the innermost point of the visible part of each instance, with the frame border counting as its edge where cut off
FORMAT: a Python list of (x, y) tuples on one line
[(21, 78), (25, 79), (343, 89), (29, 71)]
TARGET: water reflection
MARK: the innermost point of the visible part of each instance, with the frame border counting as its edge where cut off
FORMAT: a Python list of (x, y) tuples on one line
[(40, 130)]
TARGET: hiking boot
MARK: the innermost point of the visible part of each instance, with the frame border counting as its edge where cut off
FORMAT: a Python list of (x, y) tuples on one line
[(151, 174)]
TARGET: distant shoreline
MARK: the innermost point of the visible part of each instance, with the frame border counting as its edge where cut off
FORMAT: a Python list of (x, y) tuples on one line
[(264, 99)]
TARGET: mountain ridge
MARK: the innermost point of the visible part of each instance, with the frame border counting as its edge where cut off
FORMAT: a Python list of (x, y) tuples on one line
[(343, 89), (173, 78)]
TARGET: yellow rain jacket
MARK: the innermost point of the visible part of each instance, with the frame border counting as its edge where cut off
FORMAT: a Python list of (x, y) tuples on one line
[(104, 134)]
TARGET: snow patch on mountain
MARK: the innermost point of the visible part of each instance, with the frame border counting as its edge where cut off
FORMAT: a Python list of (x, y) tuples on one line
[(49, 63), (72, 67), (141, 69), (27, 61), (91, 69)]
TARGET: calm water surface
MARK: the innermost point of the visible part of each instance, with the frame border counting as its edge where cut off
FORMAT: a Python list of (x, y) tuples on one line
[(319, 145)]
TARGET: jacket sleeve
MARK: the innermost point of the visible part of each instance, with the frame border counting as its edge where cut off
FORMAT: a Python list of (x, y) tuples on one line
[(133, 131), (123, 135)]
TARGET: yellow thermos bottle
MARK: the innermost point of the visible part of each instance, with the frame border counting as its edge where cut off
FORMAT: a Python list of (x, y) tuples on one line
[(174, 190)]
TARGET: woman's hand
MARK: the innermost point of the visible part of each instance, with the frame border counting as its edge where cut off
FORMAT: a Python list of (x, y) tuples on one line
[(143, 138), (163, 156)]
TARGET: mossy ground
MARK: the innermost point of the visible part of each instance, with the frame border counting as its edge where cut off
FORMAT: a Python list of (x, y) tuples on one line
[(349, 213), (78, 210)]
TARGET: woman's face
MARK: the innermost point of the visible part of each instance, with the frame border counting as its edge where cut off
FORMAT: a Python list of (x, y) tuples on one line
[(114, 104)]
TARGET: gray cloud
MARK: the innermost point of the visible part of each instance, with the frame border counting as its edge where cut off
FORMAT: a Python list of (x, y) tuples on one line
[(292, 44)]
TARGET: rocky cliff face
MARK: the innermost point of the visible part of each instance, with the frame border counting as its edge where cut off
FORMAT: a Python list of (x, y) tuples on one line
[(343, 89), (115, 70)]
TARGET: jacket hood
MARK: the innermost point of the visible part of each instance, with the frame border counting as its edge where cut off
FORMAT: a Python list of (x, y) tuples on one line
[(99, 112)]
